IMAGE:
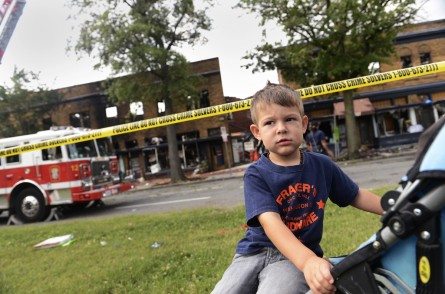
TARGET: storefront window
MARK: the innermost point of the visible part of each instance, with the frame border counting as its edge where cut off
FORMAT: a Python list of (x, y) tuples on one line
[(152, 160), (440, 107), (405, 120), (190, 155), (189, 151), (425, 115), (393, 122)]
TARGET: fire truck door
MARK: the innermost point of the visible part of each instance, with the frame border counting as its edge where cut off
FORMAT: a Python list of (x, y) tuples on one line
[(52, 170), (48, 165)]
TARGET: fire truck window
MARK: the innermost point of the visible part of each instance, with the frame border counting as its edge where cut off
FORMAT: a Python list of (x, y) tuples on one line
[(52, 153), (12, 159), (82, 150), (72, 151)]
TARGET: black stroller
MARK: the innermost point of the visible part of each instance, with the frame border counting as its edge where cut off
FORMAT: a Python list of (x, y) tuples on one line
[(406, 255)]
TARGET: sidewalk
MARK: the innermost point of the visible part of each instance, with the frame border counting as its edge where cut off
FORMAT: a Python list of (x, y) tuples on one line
[(238, 171)]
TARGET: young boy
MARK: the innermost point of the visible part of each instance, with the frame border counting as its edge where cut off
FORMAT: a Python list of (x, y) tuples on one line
[(285, 195)]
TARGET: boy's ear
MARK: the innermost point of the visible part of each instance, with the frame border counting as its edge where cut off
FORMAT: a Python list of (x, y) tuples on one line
[(255, 131), (305, 123)]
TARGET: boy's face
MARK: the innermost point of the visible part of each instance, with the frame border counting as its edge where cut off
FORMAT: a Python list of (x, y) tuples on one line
[(281, 129)]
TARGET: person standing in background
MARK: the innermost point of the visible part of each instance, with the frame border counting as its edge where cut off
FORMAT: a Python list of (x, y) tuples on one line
[(316, 140)]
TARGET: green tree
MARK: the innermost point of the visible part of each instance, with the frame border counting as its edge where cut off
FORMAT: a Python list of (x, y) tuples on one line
[(143, 38), (329, 41), (24, 110)]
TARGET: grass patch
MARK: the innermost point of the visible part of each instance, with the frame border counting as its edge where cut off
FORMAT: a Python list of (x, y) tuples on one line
[(197, 246)]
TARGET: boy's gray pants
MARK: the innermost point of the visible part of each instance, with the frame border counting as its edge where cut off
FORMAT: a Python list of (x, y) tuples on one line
[(263, 272)]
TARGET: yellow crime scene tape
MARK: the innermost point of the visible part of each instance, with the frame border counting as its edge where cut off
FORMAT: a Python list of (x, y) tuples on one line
[(161, 121)]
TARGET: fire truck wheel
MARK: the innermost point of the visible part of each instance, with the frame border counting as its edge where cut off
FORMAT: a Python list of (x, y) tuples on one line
[(30, 206)]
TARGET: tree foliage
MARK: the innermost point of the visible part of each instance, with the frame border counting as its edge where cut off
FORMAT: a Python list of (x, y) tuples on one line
[(22, 109), (329, 41), (143, 38)]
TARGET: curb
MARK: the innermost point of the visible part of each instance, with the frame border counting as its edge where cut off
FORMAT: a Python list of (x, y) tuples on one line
[(237, 172), (209, 177)]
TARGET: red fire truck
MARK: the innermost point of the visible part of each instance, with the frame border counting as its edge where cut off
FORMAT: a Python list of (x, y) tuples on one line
[(33, 182)]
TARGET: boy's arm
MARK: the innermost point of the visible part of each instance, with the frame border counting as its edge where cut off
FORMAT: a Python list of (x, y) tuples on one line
[(316, 270), (368, 201)]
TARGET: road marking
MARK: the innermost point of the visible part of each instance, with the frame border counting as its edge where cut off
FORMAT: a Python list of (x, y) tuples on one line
[(162, 203)]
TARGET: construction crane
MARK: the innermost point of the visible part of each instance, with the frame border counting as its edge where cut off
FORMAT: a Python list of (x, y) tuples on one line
[(10, 12)]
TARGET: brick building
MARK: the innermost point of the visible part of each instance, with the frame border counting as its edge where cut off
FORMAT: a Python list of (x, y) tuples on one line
[(385, 113), (391, 114), (145, 153)]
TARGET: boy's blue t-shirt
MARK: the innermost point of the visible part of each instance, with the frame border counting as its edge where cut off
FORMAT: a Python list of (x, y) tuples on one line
[(298, 193)]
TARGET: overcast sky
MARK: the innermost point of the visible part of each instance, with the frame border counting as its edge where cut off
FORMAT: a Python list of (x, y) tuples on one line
[(40, 39)]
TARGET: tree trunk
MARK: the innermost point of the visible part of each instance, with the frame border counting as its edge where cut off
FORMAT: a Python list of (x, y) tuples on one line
[(351, 133), (176, 173)]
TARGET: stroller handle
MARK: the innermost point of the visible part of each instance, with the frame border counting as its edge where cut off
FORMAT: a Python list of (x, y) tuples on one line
[(403, 223)]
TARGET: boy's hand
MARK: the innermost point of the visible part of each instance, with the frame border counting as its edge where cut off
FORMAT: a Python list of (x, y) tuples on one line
[(317, 272)]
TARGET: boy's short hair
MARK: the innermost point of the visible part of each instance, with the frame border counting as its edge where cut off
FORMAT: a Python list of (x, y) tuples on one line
[(275, 93)]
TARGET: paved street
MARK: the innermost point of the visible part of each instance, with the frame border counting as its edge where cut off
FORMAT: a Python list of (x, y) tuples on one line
[(226, 189), (380, 172)]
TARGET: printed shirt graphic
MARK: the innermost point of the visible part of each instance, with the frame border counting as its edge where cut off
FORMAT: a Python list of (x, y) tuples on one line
[(298, 193)]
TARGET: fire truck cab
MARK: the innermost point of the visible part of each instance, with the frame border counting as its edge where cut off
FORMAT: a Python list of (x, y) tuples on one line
[(33, 182)]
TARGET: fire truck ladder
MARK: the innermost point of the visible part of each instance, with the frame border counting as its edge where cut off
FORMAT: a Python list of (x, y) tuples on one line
[(10, 12)]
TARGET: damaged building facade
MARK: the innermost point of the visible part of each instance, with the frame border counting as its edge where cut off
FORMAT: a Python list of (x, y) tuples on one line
[(394, 113), (143, 154), (387, 115)]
